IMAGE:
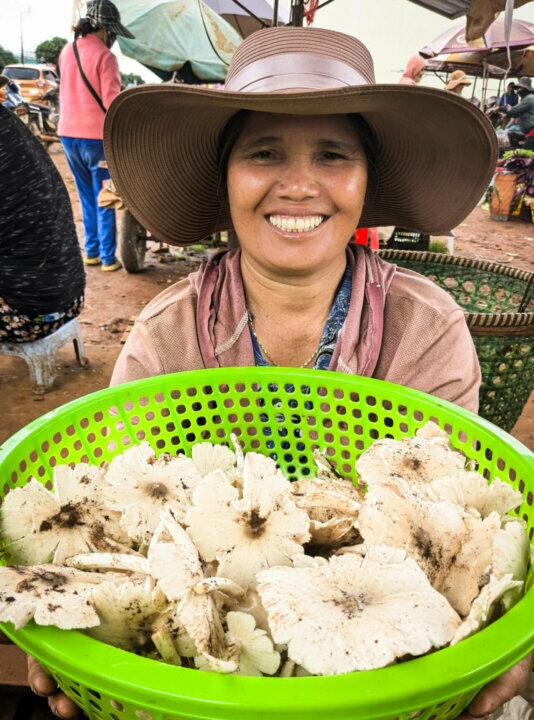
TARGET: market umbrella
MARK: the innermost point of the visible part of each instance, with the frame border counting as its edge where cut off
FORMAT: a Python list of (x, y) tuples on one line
[(245, 23), (453, 39), (474, 64), (180, 35)]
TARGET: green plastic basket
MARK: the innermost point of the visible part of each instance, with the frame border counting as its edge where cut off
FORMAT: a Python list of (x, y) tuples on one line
[(285, 413)]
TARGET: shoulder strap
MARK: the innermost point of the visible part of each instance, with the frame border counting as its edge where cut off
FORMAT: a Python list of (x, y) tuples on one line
[(86, 81)]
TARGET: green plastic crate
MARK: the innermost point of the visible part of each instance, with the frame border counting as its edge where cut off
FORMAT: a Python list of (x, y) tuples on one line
[(285, 413)]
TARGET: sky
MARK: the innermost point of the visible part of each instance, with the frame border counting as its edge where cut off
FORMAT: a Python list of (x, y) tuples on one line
[(393, 30)]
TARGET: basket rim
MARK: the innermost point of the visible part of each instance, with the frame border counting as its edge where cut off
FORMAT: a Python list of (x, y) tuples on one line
[(471, 663)]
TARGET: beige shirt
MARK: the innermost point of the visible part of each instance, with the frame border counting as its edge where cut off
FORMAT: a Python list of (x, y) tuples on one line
[(426, 343)]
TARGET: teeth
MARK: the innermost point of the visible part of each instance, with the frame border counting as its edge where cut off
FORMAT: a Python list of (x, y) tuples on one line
[(296, 224)]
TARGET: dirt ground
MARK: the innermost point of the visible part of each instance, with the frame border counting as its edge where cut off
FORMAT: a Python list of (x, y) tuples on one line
[(113, 300)]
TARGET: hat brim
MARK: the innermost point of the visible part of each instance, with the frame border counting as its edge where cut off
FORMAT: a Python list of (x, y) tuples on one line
[(119, 29), (436, 153)]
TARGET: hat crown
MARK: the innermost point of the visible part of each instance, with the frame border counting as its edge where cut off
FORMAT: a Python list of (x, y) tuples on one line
[(285, 58), (458, 75), (103, 12)]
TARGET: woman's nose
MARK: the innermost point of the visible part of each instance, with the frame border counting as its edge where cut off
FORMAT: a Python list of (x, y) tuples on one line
[(297, 180)]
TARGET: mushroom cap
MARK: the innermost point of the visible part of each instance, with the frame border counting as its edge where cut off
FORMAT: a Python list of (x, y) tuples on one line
[(128, 615), (431, 533), (51, 594), (262, 529), (38, 526), (471, 489), (482, 608), (257, 656), (141, 485), (208, 458), (417, 459), (378, 608)]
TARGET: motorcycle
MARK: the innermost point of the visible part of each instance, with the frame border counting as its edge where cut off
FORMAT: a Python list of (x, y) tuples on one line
[(41, 120)]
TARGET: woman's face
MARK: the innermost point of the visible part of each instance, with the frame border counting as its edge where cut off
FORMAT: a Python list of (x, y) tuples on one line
[(296, 186)]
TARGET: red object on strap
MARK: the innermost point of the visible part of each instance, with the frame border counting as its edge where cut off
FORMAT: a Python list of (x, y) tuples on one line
[(309, 14)]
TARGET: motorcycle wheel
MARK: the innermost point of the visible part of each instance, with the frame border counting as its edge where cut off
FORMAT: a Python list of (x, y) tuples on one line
[(35, 129), (131, 242)]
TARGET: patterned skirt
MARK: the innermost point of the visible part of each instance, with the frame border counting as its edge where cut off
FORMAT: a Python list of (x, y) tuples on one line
[(16, 327)]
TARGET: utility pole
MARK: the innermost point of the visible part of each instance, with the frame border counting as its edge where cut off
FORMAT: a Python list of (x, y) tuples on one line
[(22, 15), (297, 13)]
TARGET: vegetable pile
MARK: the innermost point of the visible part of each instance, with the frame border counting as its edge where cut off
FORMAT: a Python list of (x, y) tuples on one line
[(218, 562)]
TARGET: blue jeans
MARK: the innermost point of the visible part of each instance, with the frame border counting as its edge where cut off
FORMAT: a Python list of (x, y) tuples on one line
[(83, 157)]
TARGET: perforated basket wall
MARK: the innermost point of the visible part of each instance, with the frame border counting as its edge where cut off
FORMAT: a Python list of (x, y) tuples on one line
[(499, 306), (284, 413)]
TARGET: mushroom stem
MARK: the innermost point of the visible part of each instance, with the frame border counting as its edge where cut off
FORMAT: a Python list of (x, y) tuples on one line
[(238, 450), (109, 561), (288, 669), (224, 585), (165, 646), (327, 499), (223, 666)]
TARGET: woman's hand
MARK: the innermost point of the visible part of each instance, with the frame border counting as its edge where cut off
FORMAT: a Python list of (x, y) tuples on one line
[(42, 684), (511, 683)]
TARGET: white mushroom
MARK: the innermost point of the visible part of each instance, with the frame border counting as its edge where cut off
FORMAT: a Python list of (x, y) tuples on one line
[(471, 489), (482, 608), (38, 526), (128, 616), (178, 570), (417, 460), (431, 533), (208, 457), (262, 529), (256, 653), (141, 485), (51, 594), (510, 556), (378, 608), (109, 561)]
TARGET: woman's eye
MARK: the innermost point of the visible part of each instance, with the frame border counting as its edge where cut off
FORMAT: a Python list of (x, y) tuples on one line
[(331, 155), (263, 155)]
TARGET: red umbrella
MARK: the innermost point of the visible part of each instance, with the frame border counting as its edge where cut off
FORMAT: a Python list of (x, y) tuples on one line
[(453, 40)]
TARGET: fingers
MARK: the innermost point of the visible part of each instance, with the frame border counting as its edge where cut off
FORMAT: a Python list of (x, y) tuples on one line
[(39, 681), (42, 684), (62, 706), (500, 690)]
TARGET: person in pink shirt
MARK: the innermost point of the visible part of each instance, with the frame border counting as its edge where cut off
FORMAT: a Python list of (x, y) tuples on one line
[(90, 79)]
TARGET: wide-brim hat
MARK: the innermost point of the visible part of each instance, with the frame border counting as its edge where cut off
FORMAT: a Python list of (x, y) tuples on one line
[(524, 83), (458, 77), (105, 14), (435, 151)]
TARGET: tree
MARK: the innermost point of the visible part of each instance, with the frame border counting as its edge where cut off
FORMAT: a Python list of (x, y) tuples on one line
[(48, 51), (6, 57), (131, 79)]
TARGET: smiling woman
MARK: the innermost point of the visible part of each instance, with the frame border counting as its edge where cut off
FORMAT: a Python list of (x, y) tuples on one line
[(300, 149)]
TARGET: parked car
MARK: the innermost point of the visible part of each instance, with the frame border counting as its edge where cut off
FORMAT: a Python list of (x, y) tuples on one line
[(33, 80)]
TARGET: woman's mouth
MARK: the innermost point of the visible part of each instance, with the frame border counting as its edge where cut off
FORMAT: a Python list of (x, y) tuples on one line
[(296, 223)]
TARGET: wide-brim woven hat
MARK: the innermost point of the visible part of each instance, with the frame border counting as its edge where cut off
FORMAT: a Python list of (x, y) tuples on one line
[(524, 83), (457, 78), (435, 151)]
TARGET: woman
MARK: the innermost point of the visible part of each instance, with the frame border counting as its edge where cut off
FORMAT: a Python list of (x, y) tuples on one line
[(413, 73), (42, 281), (457, 81), (84, 99), (298, 150)]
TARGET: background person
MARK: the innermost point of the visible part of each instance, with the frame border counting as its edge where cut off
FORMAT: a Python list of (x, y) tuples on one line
[(413, 73), (509, 98), (81, 121), (294, 172), (523, 111), (42, 281), (457, 81)]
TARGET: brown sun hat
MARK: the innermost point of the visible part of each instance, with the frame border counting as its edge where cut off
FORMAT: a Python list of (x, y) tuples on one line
[(435, 151), (458, 77)]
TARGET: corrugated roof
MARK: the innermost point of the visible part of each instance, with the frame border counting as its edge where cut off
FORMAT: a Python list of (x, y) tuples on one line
[(449, 8)]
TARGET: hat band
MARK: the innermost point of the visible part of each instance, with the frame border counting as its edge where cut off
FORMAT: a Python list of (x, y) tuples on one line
[(294, 70)]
